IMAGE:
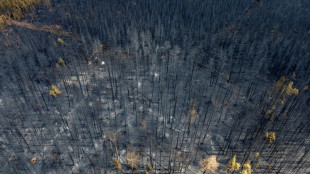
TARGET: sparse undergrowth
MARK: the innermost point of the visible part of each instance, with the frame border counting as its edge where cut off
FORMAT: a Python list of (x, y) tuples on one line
[(17, 9)]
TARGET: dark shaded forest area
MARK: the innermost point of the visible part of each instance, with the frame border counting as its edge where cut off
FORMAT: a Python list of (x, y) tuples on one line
[(155, 86)]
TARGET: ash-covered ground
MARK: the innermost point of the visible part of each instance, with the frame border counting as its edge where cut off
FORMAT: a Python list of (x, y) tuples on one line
[(172, 82)]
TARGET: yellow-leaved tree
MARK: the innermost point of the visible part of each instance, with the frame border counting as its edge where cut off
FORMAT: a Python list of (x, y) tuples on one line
[(232, 164), (210, 164), (132, 160), (270, 137), (54, 91), (247, 169), (117, 164)]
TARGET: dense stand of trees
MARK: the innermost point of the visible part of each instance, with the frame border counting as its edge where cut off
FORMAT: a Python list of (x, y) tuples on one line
[(157, 86)]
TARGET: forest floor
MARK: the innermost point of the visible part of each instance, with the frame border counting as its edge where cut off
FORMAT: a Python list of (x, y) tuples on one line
[(170, 101)]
